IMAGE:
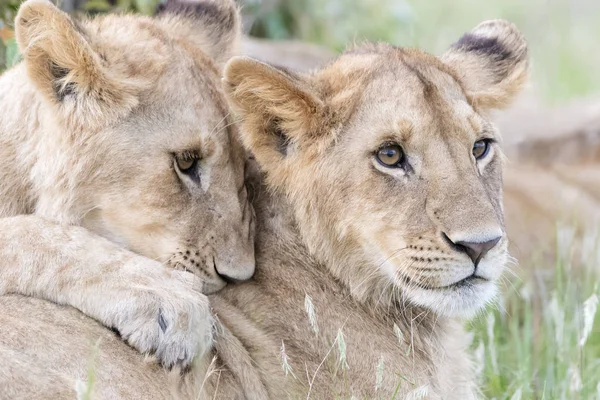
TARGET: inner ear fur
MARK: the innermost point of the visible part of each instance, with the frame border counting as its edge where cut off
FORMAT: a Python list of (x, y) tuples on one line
[(62, 64), (277, 108), (491, 62)]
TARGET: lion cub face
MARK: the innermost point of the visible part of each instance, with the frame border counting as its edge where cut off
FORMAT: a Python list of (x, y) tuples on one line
[(139, 141), (390, 164), (421, 176)]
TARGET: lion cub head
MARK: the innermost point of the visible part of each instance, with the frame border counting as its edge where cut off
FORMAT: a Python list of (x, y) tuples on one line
[(392, 168), (138, 144)]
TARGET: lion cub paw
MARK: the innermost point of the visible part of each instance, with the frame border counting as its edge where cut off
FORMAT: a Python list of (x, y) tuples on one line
[(170, 320)]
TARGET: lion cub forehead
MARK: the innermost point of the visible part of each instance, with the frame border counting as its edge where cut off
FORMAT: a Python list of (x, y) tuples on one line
[(405, 112), (381, 79), (123, 42), (110, 35)]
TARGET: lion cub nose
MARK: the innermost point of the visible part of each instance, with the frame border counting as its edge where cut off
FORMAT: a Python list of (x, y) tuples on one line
[(476, 251)]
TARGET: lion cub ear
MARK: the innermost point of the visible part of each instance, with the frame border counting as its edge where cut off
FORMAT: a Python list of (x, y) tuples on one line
[(213, 26), (64, 67), (279, 110), (492, 63)]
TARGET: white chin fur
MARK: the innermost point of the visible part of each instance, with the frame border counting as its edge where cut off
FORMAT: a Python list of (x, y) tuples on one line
[(463, 302)]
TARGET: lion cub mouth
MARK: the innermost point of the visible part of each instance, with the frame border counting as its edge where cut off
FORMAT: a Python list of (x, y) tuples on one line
[(462, 299), (469, 281)]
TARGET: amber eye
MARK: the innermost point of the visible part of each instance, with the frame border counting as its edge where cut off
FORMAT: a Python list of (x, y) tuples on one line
[(186, 162), (390, 155), (481, 148)]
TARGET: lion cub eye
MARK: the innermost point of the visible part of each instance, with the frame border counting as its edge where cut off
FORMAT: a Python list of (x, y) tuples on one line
[(186, 162), (481, 148), (390, 155)]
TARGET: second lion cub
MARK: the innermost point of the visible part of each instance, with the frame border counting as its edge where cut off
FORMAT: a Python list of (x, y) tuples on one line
[(122, 177)]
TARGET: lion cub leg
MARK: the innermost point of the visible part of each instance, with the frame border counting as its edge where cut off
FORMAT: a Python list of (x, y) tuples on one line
[(154, 308)]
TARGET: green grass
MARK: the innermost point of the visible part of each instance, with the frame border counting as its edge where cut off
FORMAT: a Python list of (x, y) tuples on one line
[(535, 346)]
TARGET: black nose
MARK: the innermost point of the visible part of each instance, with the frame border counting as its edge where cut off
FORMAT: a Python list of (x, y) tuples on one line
[(475, 251)]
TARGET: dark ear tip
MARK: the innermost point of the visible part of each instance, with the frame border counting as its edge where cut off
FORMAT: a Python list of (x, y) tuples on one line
[(160, 8), (499, 39), (167, 6), (177, 7), (222, 12)]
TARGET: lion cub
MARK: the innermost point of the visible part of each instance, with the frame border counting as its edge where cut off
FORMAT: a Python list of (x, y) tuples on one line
[(386, 222), (121, 173)]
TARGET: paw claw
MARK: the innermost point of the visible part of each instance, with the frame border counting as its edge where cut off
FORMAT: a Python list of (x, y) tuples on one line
[(171, 320), (161, 321)]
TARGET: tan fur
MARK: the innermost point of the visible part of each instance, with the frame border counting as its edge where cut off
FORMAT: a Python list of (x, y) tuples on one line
[(92, 121), (340, 235)]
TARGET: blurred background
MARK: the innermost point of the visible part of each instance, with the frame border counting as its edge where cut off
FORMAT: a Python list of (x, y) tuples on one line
[(562, 33), (542, 339)]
